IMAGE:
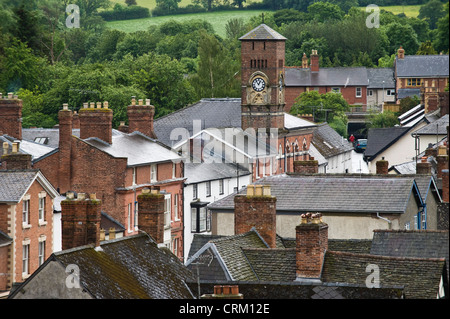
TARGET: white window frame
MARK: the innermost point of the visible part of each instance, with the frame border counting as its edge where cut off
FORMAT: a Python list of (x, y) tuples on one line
[(390, 92), (175, 246), (134, 175), (194, 191), (423, 220), (167, 210), (336, 90), (208, 189), (193, 219), (26, 212), (26, 259), (41, 252), (175, 207), (221, 187), (136, 209), (42, 210), (130, 211), (153, 173), (358, 91), (174, 170)]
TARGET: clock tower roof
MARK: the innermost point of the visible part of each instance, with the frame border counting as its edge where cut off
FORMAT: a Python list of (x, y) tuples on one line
[(262, 32)]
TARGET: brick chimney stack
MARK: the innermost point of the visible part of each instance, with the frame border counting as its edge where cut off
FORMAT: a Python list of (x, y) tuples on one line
[(14, 160), (442, 160), (151, 213), (445, 182), (96, 121), (140, 117), (314, 61), (256, 209), (310, 166), (423, 167), (65, 117), (80, 220), (311, 245), (11, 116), (305, 61), (382, 167), (401, 53)]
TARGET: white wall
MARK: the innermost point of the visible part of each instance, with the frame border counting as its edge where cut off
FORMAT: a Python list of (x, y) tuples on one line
[(229, 184)]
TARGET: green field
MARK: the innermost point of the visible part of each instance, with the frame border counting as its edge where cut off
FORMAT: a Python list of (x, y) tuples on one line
[(217, 19), (409, 11)]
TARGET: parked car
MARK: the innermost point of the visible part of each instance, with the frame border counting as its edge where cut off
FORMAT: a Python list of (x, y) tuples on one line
[(360, 145)]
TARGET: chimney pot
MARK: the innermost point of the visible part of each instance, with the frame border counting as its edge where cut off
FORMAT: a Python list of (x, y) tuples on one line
[(81, 196), (122, 123), (70, 195), (145, 191), (218, 290), (99, 105), (147, 101), (105, 104), (112, 233), (93, 196), (133, 100), (65, 106), (102, 234), (15, 147), (266, 190), (141, 102), (258, 190), (251, 190), (5, 148), (10, 95), (85, 105), (442, 150)]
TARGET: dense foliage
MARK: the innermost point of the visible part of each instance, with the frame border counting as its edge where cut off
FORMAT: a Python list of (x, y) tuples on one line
[(48, 63)]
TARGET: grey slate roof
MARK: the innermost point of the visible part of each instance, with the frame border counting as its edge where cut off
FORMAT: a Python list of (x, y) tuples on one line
[(137, 148), (402, 93), (5, 239), (422, 66), (332, 194), (216, 113), (341, 76), (131, 267), (420, 277), (276, 264), (201, 172), (380, 139), (328, 142), (376, 77), (262, 32), (14, 184), (438, 127)]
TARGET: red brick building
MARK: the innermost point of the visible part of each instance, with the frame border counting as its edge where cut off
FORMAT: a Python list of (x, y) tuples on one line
[(26, 218)]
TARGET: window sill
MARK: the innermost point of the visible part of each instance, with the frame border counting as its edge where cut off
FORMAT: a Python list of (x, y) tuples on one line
[(26, 226), (25, 276), (42, 223)]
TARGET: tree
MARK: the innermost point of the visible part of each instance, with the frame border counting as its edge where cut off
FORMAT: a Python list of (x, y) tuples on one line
[(426, 48), (217, 71), (408, 103), (381, 120), (168, 5), (401, 35), (235, 28), (131, 2), (91, 7), (325, 11), (442, 36), (325, 107), (239, 3), (432, 11)]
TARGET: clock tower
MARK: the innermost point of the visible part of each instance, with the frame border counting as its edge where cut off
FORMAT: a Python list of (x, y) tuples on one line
[(262, 58)]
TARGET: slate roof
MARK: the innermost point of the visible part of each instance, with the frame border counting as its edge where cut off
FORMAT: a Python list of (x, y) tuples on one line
[(5, 239), (328, 142), (376, 77), (402, 93), (14, 184), (262, 32), (420, 276), (137, 148), (276, 264), (131, 267), (438, 127), (341, 76), (380, 139), (223, 258), (422, 66), (216, 113), (331, 194)]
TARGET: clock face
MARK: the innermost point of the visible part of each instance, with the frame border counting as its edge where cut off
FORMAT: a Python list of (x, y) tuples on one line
[(258, 84)]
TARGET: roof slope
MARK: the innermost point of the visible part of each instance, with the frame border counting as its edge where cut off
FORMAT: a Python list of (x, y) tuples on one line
[(420, 277), (129, 268), (328, 142), (381, 78), (379, 139), (272, 264), (14, 184), (438, 127), (341, 76), (422, 66), (262, 32), (325, 194)]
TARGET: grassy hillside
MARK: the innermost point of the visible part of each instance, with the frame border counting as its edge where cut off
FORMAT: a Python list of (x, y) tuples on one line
[(217, 19), (409, 11)]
